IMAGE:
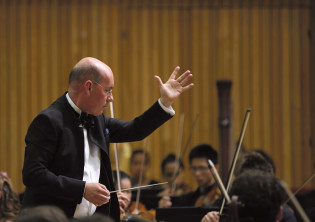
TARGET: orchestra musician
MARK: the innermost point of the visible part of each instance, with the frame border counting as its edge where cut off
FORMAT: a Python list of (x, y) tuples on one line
[(175, 180), (139, 163), (260, 196), (125, 183), (254, 161), (67, 145), (208, 191)]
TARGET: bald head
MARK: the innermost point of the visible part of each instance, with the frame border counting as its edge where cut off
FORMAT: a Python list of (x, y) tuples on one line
[(87, 68)]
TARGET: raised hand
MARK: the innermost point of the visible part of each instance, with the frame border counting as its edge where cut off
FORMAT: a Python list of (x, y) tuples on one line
[(171, 90)]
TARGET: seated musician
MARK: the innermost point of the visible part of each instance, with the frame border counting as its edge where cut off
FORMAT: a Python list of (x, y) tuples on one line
[(125, 183), (259, 198), (142, 212), (256, 162), (9, 201), (208, 191), (260, 195), (176, 185), (139, 163)]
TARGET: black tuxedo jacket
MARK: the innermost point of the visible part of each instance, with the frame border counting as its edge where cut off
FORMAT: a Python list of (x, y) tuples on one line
[(54, 154)]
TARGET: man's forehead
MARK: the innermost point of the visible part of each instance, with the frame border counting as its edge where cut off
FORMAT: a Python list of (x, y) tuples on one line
[(199, 161)]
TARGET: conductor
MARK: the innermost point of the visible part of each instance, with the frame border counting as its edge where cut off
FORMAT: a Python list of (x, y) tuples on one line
[(67, 161)]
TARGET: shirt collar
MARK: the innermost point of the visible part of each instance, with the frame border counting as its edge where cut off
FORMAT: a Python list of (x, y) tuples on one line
[(77, 109)]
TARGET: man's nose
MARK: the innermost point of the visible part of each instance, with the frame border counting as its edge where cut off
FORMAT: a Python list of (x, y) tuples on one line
[(110, 98)]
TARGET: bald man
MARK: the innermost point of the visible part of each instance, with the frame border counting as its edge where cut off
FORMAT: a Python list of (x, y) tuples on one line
[(67, 161)]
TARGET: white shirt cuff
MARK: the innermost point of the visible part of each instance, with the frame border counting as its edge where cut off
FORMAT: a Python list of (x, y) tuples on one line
[(169, 110)]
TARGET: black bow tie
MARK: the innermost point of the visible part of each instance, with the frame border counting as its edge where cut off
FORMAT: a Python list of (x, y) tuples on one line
[(86, 120)]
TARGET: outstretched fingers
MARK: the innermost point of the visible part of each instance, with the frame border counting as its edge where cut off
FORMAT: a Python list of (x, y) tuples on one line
[(174, 73), (184, 76), (187, 87), (186, 79)]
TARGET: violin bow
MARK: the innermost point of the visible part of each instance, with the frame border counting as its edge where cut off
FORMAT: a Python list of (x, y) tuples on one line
[(219, 181), (184, 150), (116, 151), (136, 211), (295, 202), (300, 188), (179, 143), (189, 137), (231, 172)]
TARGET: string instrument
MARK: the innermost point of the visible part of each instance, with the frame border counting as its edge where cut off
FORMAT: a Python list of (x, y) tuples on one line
[(209, 198), (179, 190), (142, 211), (137, 209)]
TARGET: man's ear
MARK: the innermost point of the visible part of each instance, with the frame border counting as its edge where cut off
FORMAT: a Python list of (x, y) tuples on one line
[(279, 216), (88, 85)]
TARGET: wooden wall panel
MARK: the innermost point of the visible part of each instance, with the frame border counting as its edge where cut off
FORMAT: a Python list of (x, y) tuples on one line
[(310, 82), (263, 47)]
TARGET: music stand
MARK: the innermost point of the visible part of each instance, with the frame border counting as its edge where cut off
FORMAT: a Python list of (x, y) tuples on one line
[(182, 214)]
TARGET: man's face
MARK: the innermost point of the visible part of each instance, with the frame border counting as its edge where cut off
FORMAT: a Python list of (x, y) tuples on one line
[(168, 173), (101, 92), (101, 96), (200, 170), (126, 184), (136, 164)]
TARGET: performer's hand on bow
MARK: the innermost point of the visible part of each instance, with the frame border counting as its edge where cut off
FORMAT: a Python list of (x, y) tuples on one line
[(96, 193), (165, 202), (211, 217), (174, 87), (123, 200)]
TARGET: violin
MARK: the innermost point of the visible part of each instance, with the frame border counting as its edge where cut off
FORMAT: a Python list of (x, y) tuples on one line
[(141, 212), (209, 198)]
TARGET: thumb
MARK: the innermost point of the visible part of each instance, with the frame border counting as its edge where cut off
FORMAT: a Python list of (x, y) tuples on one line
[(158, 80)]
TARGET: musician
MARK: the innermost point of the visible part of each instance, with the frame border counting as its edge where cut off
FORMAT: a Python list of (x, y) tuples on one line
[(129, 210), (176, 185), (208, 191), (260, 195), (139, 163), (254, 161), (67, 145), (125, 183), (9, 201)]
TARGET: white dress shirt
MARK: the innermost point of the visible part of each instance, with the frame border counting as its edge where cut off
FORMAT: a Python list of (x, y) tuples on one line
[(92, 166)]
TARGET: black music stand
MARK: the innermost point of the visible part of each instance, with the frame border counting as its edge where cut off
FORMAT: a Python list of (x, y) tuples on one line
[(182, 214)]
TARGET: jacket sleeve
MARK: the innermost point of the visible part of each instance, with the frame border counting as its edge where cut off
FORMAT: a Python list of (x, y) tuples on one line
[(138, 128)]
